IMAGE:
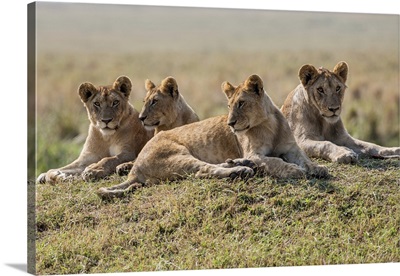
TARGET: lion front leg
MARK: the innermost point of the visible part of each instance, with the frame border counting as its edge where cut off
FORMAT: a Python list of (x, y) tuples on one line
[(62, 174), (56, 175), (297, 156), (393, 152), (101, 169), (105, 167), (371, 149), (329, 151)]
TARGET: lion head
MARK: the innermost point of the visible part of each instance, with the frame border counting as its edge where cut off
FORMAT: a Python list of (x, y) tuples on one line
[(159, 106), (325, 89), (106, 105), (246, 105)]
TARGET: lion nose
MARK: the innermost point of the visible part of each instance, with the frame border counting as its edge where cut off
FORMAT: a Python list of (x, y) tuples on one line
[(231, 123), (106, 121), (333, 109), (142, 117)]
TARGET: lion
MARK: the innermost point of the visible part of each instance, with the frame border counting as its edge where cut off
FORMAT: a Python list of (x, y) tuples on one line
[(313, 111), (264, 134), (253, 135), (164, 108), (116, 135)]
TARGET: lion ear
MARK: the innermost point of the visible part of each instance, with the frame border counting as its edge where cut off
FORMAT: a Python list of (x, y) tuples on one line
[(341, 69), (124, 85), (148, 85), (228, 89), (170, 86), (308, 74), (254, 83), (86, 91)]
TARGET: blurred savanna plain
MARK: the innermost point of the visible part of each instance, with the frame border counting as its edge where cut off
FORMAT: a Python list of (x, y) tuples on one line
[(201, 48)]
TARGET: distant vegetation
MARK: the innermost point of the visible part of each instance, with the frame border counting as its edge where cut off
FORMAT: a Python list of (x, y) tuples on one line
[(371, 105), (202, 48), (349, 219)]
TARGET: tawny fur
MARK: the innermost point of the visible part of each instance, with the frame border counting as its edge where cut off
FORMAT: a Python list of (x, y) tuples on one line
[(200, 148), (164, 108), (210, 148), (313, 111), (264, 134), (115, 135)]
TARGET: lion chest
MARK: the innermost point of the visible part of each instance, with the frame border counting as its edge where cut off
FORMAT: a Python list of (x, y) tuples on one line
[(114, 150)]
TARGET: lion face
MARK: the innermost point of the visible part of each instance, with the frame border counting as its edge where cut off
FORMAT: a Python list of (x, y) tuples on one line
[(245, 102), (325, 89), (159, 106), (106, 105)]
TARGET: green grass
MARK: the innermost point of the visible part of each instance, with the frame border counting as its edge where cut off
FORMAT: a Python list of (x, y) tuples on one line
[(353, 217)]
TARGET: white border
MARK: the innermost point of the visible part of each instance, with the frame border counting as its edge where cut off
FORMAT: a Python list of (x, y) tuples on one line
[(14, 75)]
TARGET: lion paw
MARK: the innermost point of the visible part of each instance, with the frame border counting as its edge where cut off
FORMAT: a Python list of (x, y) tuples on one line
[(241, 162), (41, 178), (294, 171), (93, 172), (318, 171), (53, 176), (241, 172), (346, 157), (124, 168)]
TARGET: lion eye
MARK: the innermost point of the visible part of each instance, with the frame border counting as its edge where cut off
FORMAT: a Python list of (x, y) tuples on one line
[(240, 104), (153, 102), (338, 88), (320, 90), (115, 103), (96, 104)]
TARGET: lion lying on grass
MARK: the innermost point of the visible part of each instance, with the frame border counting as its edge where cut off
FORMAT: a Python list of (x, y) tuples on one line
[(164, 108), (313, 111), (116, 135), (261, 137)]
